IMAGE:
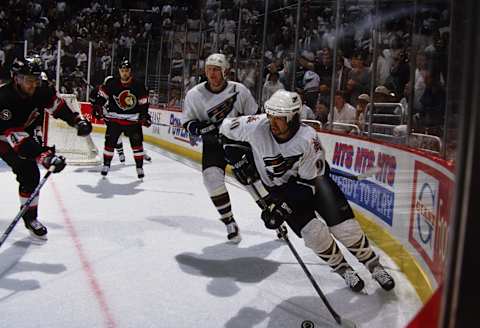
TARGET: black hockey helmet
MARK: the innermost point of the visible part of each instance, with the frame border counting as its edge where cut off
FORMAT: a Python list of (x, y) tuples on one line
[(124, 63), (31, 65)]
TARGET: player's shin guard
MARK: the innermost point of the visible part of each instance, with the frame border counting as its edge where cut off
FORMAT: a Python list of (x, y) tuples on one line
[(214, 181), (352, 236), (318, 238), (121, 154), (138, 156), (107, 159), (37, 229)]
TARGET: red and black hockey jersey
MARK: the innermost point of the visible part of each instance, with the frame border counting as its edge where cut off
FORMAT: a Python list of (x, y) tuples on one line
[(19, 115), (126, 101)]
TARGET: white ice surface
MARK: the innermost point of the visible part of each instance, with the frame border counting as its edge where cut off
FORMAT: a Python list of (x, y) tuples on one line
[(125, 253)]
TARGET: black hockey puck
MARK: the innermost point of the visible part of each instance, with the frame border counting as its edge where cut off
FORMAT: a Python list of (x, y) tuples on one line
[(307, 324)]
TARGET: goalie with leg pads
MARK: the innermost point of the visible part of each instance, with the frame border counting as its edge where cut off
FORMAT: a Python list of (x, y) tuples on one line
[(289, 159)]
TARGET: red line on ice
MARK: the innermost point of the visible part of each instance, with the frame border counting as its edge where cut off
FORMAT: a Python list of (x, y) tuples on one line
[(94, 285)]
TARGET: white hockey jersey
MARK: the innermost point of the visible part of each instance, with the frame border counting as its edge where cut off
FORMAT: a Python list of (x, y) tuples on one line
[(301, 157), (204, 105)]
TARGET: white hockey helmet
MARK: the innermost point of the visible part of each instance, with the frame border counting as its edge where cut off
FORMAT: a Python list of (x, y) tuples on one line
[(218, 60), (284, 104)]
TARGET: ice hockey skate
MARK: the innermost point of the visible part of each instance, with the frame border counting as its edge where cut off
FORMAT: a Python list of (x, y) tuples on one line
[(147, 158), (37, 230), (379, 273), (233, 232), (140, 173), (121, 157), (352, 279), (105, 170)]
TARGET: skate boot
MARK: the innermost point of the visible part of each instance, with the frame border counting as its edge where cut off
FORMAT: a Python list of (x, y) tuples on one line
[(105, 170), (140, 173), (352, 279), (121, 157), (37, 230), (147, 158), (233, 232), (379, 273)]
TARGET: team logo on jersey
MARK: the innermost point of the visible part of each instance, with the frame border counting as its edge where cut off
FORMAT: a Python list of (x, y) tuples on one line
[(278, 165), (220, 111), (252, 118), (317, 146), (126, 100), (5, 114)]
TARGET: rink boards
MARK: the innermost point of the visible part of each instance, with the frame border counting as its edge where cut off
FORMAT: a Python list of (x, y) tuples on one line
[(404, 207)]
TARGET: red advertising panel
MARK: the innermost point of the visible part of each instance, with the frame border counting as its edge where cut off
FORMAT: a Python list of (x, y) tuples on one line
[(431, 201)]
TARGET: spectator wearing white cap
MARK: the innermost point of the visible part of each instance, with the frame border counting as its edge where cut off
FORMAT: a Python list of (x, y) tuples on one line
[(271, 85), (361, 110), (311, 84)]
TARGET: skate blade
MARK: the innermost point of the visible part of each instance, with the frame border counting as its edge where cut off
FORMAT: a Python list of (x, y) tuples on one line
[(37, 240), (235, 240)]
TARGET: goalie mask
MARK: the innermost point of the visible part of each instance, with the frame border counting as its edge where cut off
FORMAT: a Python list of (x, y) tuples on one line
[(218, 60), (284, 104)]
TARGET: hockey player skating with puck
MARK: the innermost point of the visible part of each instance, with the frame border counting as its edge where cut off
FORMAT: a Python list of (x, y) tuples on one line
[(289, 160), (205, 107), (23, 102), (123, 103)]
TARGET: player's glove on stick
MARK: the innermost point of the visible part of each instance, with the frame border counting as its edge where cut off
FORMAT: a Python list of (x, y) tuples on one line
[(198, 128), (145, 119), (275, 214), (97, 112), (83, 127), (245, 171), (48, 158)]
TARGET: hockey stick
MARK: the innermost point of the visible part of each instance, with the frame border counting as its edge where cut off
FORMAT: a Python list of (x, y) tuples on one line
[(25, 205), (365, 175), (341, 321)]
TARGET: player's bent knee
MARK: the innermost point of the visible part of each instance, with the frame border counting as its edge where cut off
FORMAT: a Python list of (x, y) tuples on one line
[(347, 232), (316, 236)]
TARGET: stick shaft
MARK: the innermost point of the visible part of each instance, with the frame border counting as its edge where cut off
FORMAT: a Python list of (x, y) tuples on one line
[(25, 206)]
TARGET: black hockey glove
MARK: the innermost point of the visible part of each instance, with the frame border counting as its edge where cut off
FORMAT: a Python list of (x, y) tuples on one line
[(48, 158), (275, 214), (145, 119), (198, 128), (97, 112), (83, 127), (38, 135), (245, 171)]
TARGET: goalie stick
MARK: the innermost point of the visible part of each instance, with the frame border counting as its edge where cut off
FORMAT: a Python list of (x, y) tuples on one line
[(25, 205), (258, 192)]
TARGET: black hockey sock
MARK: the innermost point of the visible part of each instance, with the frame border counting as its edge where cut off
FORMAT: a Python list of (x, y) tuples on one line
[(333, 256), (224, 208), (362, 250)]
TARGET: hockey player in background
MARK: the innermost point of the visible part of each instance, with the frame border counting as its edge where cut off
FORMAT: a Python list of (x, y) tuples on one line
[(23, 101), (289, 160), (205, 107), (123, 103)]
